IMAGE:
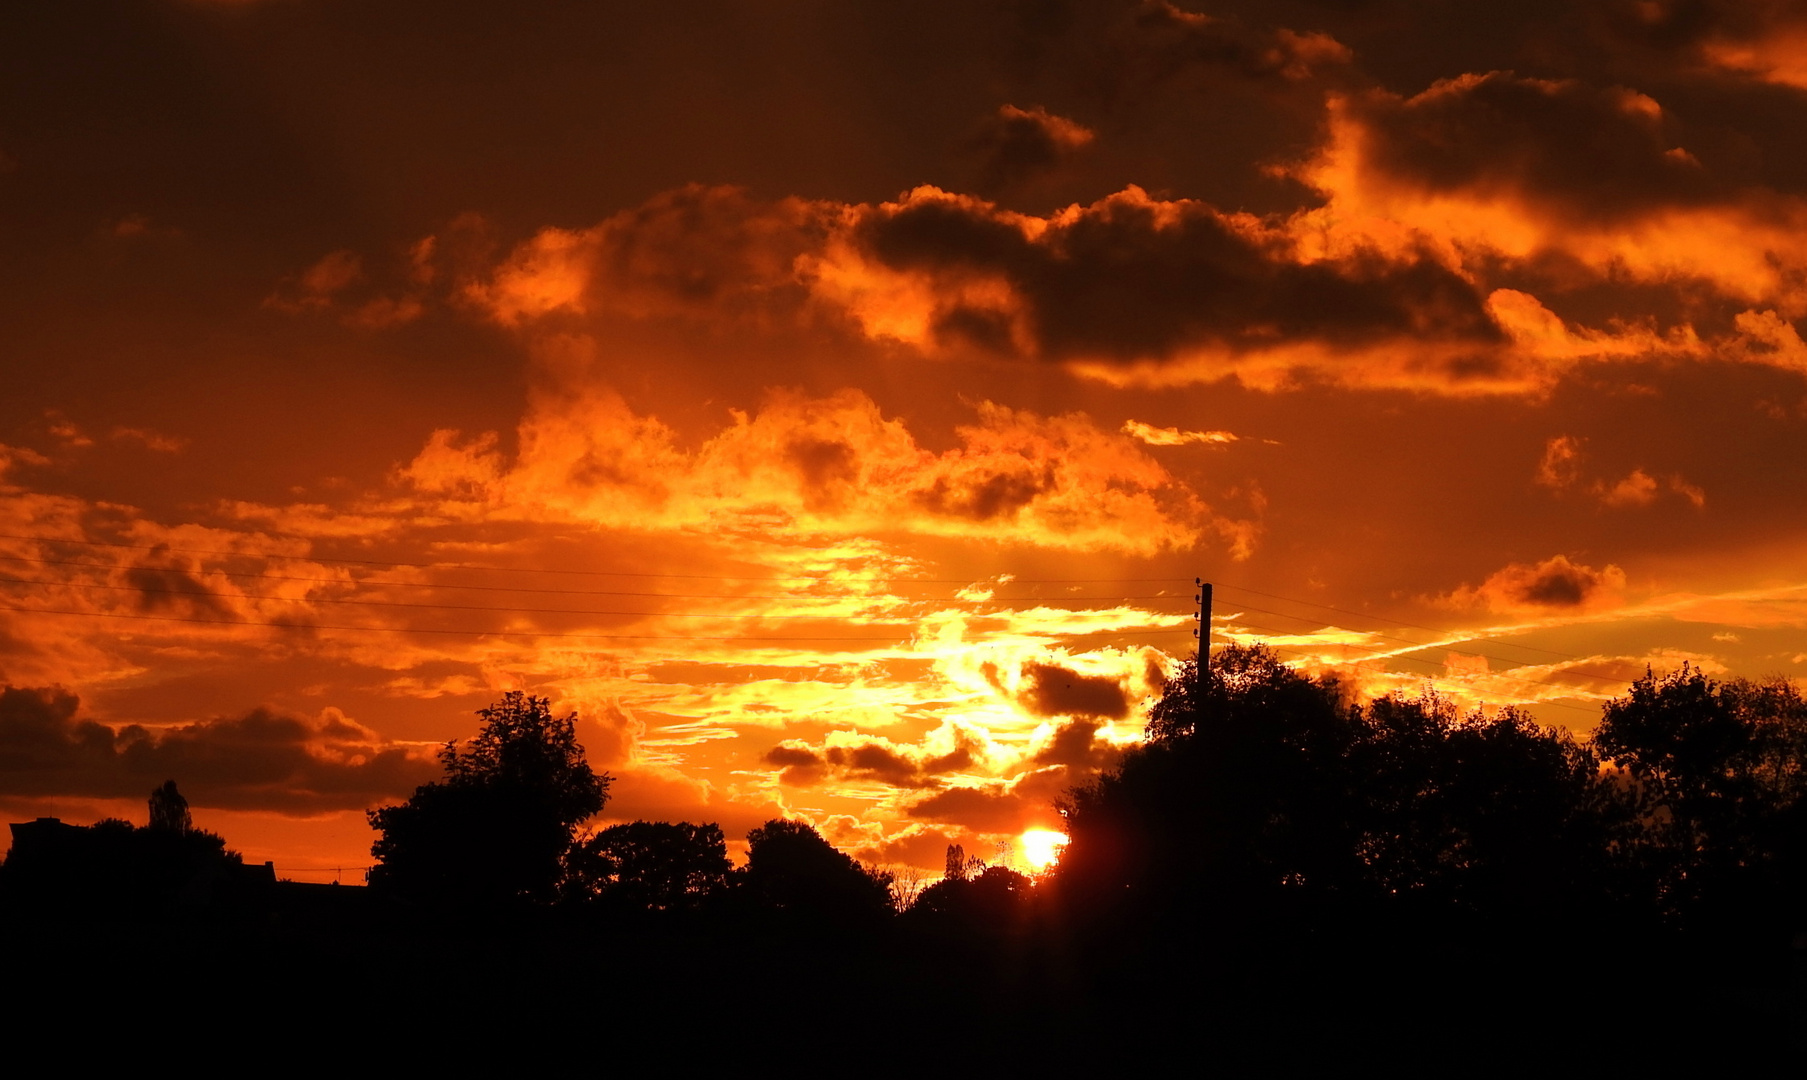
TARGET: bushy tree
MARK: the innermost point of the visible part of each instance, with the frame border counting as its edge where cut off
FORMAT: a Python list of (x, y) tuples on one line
[(114, 866), (1263, 798), (1721, 770), (169, 809), (989, 900), (1488, 815), (650, 866), (791, 868), (500, 825), (1240, 794)]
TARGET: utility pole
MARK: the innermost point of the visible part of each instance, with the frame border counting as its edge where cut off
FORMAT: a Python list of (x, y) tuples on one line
[(1203, 631), (1202, 686)]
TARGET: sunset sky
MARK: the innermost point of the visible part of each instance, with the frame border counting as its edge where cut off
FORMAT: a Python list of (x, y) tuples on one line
[(833, 403)]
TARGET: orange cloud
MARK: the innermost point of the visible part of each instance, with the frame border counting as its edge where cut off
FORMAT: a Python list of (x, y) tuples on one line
[(1554, 585), (1128, 289), (1504, 166), (815, 466), (696, 248), (1758, 39), (1561, 470), (1155, 436), (315, 287), (1384, 285)]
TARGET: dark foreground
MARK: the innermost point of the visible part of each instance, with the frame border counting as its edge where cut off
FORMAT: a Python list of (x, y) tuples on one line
[(356, 981)]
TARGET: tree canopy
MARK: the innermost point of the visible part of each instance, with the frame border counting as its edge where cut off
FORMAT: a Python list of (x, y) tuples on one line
[(791, 868), (1719, 770), (650, 865), (1265, 797), (501, 824)]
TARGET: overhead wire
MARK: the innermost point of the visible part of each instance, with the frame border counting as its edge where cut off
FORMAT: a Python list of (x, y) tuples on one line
[(1399, 654), (547, 570), (1529, 683), (1539, 702), (1400, 622), (156, 591), (368, 583), (299, 626), (1414, 645)]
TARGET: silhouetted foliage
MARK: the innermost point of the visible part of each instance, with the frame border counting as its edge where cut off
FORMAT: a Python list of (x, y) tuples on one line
[(1262, 798), (791, 868), (500, 826), (169, 810), (1492, 816), (990, 900), (1240, 795), (114, 866), (1720, 769), (650, 865), (1274, 859), (960, 866)]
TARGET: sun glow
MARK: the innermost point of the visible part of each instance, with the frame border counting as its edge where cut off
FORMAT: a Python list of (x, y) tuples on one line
[(1041, 847)]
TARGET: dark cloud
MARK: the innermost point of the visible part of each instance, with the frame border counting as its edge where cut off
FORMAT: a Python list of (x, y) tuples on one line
[(979, 809), (1170, 39), (985, 496), (1059, 691), (1591, 154), (260, 761), (1011, 806), (1052, 690), (788, 755), (1127, 278), (1015, 145), (1131, 277), (1556, 584), (173, 589), (903, 767), (827, 466), (1071, 745)]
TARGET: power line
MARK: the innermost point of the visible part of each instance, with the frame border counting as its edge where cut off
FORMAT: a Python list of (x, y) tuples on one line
[(1400, 622), (442, 607), (1614, 679), (1540, 702), (546, 570), (514, 633), (367, 583), (866, 598), (1444, 687), (1301, 651)]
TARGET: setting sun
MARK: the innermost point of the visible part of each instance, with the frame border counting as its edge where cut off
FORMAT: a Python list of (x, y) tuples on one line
[(1042, 846)]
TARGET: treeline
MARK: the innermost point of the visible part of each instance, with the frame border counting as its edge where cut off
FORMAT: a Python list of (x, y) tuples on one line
[(1274, 853), (114, 867), (1263, 801), (1264, 807)]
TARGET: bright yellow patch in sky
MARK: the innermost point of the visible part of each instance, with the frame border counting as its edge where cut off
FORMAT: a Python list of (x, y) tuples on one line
[(1042, 846)]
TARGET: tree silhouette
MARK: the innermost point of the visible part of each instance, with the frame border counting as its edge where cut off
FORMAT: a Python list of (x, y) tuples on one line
[(169, 810), (791, 868), (650, 865), (988, 901), (114, 867), (1238, 804), (1721, 769), (1491, 817), (498, 828)]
